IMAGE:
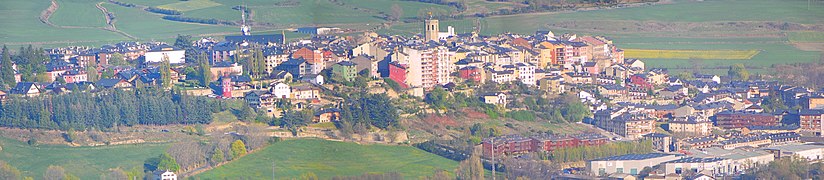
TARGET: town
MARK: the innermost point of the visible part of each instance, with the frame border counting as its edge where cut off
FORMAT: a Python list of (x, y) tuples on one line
[(669, 125)]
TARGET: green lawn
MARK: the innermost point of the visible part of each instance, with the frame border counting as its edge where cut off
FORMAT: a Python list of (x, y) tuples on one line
[(81, 13), (20, 25), (326, 159), (84, 162)]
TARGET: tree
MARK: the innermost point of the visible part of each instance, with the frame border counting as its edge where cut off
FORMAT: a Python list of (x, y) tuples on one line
[(60, 80), (6, 70), (115, 173), (738, 71), (238, 149), (54, 173), (118, 59), (575, 110), (205, 70), (167, 162), (396, 13), (165, 73), (70, 136), (8, 172), (92, 74), (217, 157), (185, 42), (471, 168)]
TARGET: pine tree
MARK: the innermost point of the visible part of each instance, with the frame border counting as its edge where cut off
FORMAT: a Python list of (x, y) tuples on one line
[(165, 73), (205, 70), (6, 70)]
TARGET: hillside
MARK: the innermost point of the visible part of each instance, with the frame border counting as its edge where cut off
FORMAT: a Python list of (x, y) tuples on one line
[(84, 162), (326, 159)]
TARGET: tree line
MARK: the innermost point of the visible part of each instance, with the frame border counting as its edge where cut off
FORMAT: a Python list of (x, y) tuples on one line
[(31, 64), (108, 109), (582, 153), (163, 11)]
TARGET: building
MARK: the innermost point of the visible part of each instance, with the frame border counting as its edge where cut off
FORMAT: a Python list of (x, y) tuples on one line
[(344, 71), (432, 29), (281, 90), (114, 84), (74, 76), (305, 92), (660, 142), (164, 175), (3, 96), (224, 68), (714, 166), (26, 89), (749, 141), (630, 163), (627, 125), (691, 126), (368, 64), (811, 152), (318, 30), (296, 67), (740, 159), (509, 144), (165, 52), (740, 119), (552, 84), (498, 98), (813, 102), (471, 73), (810, 120), (327, 115)]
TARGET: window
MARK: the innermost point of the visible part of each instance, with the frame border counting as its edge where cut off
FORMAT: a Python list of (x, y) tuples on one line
[(602, 171), (633, 171), (619, 170)]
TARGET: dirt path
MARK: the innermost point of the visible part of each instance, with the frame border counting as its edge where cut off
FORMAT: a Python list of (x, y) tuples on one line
[(110, 20)]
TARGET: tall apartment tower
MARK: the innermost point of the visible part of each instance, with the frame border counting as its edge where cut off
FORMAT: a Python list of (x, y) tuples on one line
[(432, 29)]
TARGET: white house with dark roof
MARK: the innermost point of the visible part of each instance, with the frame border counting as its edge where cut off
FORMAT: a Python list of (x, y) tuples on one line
[(630, 163)]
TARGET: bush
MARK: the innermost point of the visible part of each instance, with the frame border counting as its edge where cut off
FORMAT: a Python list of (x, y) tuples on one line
[(163, 11), (522, 115)]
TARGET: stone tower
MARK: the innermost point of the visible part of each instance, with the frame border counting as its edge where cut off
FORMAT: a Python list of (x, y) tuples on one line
[(431, 30)]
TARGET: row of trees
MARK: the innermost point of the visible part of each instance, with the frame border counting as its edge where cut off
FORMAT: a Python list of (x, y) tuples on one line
[(582, 153), (361, 111), (163, 11), (786, 168), (108, 109)]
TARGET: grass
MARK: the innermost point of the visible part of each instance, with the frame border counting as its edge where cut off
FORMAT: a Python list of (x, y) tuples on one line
[(326, 125), (84, 162), (806, 37), (689, 54), (82, 13), (327, 159), (190, 5), (20, 25)]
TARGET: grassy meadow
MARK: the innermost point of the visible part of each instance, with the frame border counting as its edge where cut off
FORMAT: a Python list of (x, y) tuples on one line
[(689, 54), (326, 159), (84, 162)]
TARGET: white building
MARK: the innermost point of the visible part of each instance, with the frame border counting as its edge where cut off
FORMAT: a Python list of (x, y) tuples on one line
[(158, 54), (164, 175), (526, 73), (811, 152), (630, 163), (281, 90)]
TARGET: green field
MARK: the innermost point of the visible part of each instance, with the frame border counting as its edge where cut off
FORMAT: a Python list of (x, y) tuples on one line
[(689, 54), (190, 5), (807, 37), (326, 159), (81, 13), (84, 162)]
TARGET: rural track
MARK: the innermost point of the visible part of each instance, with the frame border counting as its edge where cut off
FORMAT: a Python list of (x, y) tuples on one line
[(46, 14), (110, 20)]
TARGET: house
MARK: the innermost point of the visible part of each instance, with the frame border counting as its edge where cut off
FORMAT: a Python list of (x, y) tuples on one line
[(224, 68), (552, 84), (305, 92), (114, 84), (345, 71), (397, 73), (810, 120), (26, 89), (630, 163), (313, 58), (471, 73), (813, 102), (315, 79), (164, 175), (253, 99), (81, 86), (327, 115), (700, 177), (296, 67), (368, 64), (281, 90), (2, 96), (165, 52), (73, 76), (496, 98)]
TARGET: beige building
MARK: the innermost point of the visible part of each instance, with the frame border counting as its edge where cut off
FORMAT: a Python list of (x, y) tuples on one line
[(690, 126), (629, 164)]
